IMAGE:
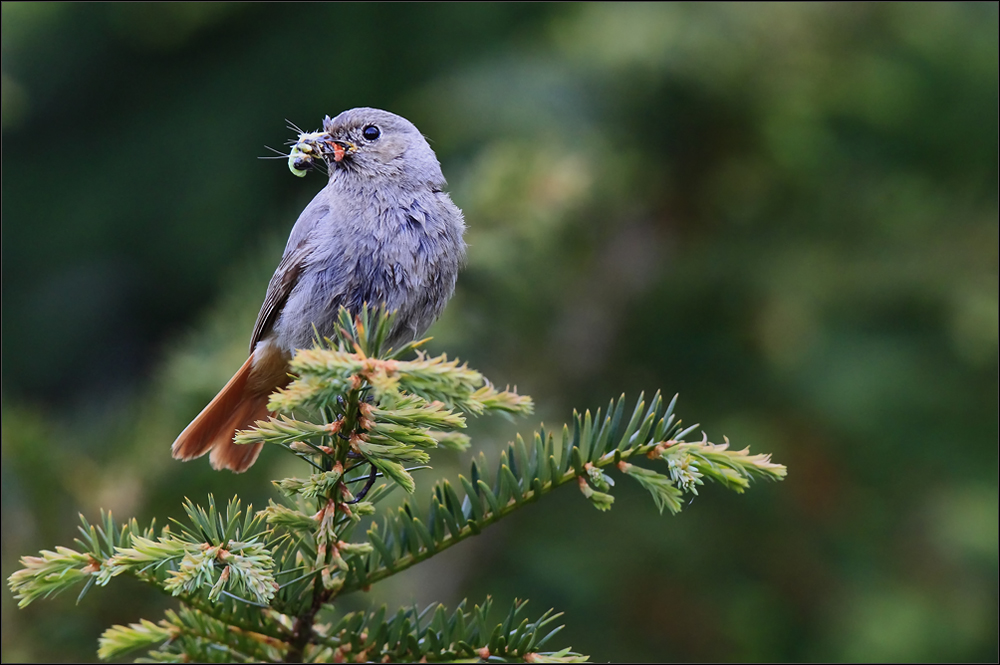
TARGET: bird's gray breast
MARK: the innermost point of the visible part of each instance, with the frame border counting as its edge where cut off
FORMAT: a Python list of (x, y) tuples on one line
[(398, 249)]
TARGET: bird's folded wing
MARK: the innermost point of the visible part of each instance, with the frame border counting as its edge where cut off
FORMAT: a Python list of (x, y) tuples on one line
[(284, 280)]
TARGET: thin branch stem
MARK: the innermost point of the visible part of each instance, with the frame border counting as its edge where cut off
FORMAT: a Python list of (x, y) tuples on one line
[(527, 496), (244, 600)]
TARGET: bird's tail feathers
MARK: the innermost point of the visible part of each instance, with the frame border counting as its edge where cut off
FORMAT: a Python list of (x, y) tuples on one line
[(237, 406)]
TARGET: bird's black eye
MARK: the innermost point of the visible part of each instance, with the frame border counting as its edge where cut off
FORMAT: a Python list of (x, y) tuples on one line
[(371, 132)]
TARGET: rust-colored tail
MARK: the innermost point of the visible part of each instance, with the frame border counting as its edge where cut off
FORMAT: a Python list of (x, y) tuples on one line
[(238, 405)]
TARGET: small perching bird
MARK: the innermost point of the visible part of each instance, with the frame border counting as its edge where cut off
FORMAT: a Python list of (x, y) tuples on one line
[(382, 231)]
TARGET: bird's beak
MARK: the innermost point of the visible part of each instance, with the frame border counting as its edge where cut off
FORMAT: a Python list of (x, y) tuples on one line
[(340, 149)]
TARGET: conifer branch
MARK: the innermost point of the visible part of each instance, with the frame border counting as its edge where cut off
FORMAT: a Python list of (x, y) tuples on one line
[(252, 584), (526, 472)]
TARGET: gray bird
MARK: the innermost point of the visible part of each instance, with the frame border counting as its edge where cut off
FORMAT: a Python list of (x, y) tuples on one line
[(382, 231)]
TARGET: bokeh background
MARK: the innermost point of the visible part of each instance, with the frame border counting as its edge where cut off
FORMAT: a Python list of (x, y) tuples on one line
[(786, 213)]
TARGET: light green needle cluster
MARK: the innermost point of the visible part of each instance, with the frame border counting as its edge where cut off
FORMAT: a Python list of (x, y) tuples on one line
[(191, 634), (119, 640), (425, 387), (223, 554), (50, 573), (317, 484)]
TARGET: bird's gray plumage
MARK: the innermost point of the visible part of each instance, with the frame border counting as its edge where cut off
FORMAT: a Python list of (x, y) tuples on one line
[(381, 231)]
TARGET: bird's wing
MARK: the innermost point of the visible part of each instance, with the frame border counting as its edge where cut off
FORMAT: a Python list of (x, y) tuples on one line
[(286, 276), (301, 244)]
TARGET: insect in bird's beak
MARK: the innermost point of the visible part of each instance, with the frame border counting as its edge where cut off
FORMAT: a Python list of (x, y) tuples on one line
[(306, 150), (313, 146)]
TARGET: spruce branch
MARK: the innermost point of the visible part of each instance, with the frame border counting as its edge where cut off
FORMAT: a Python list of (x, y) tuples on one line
[(119, 640), (191, 634), (436, 635), (253, 585), (221, 553), (51, 573), (665, 492), (527, 471)]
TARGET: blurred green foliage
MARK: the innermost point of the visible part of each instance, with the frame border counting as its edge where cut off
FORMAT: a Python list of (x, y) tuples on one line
[(788, 213)]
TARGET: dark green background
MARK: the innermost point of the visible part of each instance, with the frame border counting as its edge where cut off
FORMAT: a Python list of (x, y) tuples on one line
[(786, 213)]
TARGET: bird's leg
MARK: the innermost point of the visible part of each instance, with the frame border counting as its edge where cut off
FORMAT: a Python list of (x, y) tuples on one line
[(368, 485)]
